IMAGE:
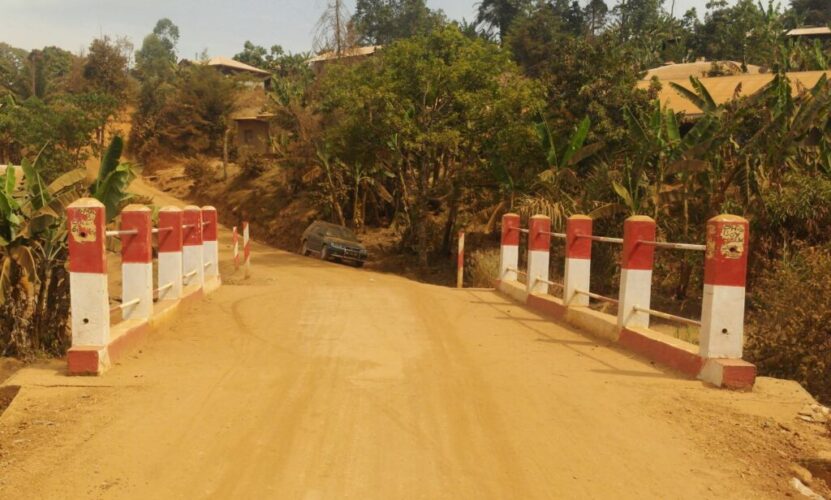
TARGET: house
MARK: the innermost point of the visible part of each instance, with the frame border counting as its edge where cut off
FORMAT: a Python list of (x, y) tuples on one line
[(699, 69), (253, 133), (318, 62), (253, 77), (810, 32), (726, 88)]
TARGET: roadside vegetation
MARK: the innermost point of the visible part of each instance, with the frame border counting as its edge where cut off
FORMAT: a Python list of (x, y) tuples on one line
[(531, 107)]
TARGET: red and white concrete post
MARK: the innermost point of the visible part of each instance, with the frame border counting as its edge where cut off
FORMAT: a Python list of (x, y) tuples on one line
[(88, 295), (246, 249), (193, 266), (210, 246), (236, 248), (509, 249), (170, 253), (460, 261), (636, 271), (539, 247), (725, 272), (578, 260), (136, 262)]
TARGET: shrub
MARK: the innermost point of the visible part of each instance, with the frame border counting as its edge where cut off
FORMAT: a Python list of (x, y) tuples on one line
[(789, 326), (483, 267)]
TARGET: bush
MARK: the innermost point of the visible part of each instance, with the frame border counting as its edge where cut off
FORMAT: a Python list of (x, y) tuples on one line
[(483, 267), (789, 326)]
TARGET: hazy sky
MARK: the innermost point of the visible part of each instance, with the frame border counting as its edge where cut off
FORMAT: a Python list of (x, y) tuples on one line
[(220, 26)]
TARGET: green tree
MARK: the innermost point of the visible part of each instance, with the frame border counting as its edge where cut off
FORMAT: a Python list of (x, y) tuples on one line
[(499, 15), (380, 22), (812, 12)]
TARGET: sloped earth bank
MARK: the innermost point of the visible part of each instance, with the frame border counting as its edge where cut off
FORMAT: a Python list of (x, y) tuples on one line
[(313, 380)]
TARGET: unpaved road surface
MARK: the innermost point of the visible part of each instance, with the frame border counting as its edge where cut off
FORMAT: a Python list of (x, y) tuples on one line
[(315, 381)]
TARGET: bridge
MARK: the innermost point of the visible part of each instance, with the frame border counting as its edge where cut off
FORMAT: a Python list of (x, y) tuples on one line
[(314, 380)]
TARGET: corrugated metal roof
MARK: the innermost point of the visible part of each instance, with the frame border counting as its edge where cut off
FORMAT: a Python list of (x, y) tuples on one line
[(810, 30), (352, 52), (231, 63), (726, 88), (697, 69)]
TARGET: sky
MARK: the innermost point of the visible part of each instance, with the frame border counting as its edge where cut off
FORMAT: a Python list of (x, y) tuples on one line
[(218, 26)]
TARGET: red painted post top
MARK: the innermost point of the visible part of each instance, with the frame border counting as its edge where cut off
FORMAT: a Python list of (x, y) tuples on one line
[(539, 237), (209, 231), (576, 247), (170, 229), (136, 248), (636, 256), (510, 230), (192, 232), (725, 261), (87, 235)]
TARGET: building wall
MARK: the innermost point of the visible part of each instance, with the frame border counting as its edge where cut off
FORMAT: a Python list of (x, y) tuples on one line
[(253, 137)]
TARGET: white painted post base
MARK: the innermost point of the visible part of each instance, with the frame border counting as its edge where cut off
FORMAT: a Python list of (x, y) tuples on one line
[(89, 302), (722, 322), (137, 283), (508, 262), (170, 271), (537, 268), (210, 251), (192, 261), (576, 277), (635, 290)]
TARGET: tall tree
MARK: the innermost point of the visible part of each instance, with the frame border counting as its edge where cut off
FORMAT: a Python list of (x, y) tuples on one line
[(500, 14), (380, 22), (332, 32), (812, 12)]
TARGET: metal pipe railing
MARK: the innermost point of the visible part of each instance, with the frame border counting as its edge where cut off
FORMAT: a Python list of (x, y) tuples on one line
[(125, 305), (562, 236), (516, 271), (667, 316), (602, 239), (552, 283), (157, 230), (122, 232), (164, 287), (597, 296), (674, 246)]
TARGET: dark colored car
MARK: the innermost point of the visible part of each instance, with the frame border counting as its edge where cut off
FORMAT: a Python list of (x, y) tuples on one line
[(333, 242)]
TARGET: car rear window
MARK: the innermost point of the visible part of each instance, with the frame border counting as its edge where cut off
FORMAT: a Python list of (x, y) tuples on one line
[(341, 232)]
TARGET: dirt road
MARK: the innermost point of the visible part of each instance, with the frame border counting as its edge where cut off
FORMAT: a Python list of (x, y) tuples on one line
[(315, 381)]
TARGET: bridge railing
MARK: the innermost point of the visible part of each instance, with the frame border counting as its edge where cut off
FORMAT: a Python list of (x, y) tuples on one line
[(725, 265), (188, 261)]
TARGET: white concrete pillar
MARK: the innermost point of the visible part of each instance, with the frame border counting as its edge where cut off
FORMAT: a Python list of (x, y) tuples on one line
[(210, 246), (539, 247), (136, 262), (577, 270), (236, 248), (193, 268), (246, 249), (725, 272), (88, 294), (509, 249), (170, 253), (636, 271)]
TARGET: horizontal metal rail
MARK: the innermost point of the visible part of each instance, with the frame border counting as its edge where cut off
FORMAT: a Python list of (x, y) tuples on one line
[(208, 264), (188, 226), (516, 271), (125, 304), (206, 223), (521, 230), (157, 230), (674, 246), (191, 274), (122, 232), (562, 236), (667, 316), (164, 287), (597, 296), (552, 283), (602, 239)]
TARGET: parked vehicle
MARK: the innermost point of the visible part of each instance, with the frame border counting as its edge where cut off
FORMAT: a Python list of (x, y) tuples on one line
[(333, 242)]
